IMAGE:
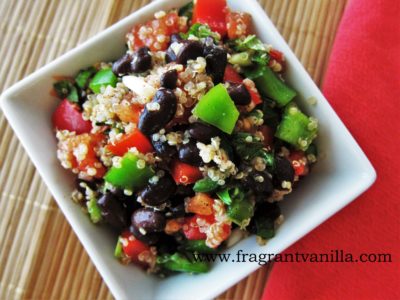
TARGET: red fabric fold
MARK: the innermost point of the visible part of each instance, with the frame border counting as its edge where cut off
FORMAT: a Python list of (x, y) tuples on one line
[(363, 86)]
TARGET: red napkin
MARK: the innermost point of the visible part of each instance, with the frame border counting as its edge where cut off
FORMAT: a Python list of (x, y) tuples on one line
[(363, 86)]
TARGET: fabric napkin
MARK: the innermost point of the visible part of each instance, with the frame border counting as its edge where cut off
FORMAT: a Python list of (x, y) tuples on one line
[(363, 86)]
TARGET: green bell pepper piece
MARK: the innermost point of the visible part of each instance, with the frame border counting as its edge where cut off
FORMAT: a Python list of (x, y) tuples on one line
[(296, 128), (132, 173), (103, 78), (179, 263), (94, 210), (198, 246), (269, 85), (118, 249), (83, 77), (205, 185), (217, 108)]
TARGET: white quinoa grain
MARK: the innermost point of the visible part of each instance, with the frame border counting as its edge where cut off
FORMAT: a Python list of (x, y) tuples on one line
[(160, 14), (141, 164)]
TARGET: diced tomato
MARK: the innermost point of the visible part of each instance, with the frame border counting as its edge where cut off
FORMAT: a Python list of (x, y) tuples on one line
[(132, 247), (133, 139), (156, 33), (212, 13), (129, 113), (299, 163), (231, 75), (255, 96), (201, 204), (195, 226), (238, 24), (185, 173), (68, 116), (268, 134)]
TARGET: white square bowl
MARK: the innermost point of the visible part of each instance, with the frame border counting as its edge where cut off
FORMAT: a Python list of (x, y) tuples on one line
[(342, 173)]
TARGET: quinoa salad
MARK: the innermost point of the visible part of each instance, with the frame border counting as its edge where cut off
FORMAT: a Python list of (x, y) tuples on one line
[(187, 142)]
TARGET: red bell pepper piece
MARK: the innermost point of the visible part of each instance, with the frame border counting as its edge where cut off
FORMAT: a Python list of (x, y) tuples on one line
[(255, 96), (132, 247), (299, 163), (133, 139), (193, 231), (231, 75), (185, 173), (212, 13), (68, 116)]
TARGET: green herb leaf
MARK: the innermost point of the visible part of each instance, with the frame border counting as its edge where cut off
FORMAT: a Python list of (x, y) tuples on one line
[(65, 89), (251, 42), (201, 31), (246, 145), (261, 58), (240, 208)]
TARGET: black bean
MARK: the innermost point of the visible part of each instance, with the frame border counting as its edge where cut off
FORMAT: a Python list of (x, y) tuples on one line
[(165, 151), (216, 61), (239, 93), (283, 171), (187, 50), (141, 60), (176, 208), (166, 244), (169, 79), (260, 183), (264, 211), (190, 154), (152, 121), (146, 220), (184, 191), (123, 65), (129, 202), (202, 132), (113, 211), (157, 193), (148, 238)]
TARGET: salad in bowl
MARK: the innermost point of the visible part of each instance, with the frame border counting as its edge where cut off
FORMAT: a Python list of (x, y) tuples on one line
[(188, 140)]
